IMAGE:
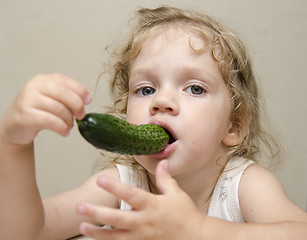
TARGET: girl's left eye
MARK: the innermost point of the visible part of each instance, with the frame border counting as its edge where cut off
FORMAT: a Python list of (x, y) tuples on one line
[(145, 91), (195, 90)]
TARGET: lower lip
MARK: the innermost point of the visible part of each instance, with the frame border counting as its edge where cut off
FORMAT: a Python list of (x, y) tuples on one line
[(166, 152)]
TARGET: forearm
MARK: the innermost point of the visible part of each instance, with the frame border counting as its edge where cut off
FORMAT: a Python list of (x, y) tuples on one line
[(219, 229), (41, 104), (22, 214)]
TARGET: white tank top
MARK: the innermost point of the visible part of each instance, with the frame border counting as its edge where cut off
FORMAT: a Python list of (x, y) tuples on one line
[(225, 199)]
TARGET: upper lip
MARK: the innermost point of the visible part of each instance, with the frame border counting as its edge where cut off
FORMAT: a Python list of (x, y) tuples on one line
[(162, 123)]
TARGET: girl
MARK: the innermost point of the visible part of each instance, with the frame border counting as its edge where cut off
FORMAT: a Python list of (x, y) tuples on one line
[(187, 73)]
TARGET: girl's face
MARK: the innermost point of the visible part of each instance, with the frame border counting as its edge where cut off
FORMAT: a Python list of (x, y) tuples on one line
[(183, 91)]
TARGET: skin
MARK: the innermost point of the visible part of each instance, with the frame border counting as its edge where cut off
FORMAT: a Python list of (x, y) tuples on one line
[(162, 80), (184, 179), (46, 102), (168, 66)]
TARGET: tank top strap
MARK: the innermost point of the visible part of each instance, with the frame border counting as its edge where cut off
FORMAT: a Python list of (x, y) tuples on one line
[(134, 176), (225, 199)]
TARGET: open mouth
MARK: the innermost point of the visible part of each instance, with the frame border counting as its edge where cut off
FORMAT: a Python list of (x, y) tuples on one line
[(170, 147), (171, 137)]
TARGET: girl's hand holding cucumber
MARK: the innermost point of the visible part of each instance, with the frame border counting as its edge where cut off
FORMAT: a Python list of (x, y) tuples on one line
[(52, 101), (46, 102)]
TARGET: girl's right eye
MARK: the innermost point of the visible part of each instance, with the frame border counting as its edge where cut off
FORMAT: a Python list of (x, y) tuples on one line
[(145, 91)]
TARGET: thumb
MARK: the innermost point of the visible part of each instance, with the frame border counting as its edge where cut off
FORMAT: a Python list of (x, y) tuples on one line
[(165, 182)]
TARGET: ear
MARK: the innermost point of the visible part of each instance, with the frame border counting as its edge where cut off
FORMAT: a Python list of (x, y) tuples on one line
[(236, 133), (232, 137)]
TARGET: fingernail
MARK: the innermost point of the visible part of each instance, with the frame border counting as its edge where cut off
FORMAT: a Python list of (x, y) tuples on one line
[(81, 208), (87, 99), (102, 181), (165, 165), (66, 134), (81, 115), (83, 228), (86, 229)]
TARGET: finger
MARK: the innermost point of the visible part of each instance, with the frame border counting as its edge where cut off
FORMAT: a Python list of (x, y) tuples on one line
[(134, 196), (164, 180), (95, 232), (76, 86), (109, 216), (66, 96), (46, 120), (63, 89), (61, 79), (79, 89), (56, 108)]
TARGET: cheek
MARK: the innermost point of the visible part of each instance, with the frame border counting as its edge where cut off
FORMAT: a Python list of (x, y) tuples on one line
[(132, 111), (205, 145), (129, 114), (136, 112), (209, 129)]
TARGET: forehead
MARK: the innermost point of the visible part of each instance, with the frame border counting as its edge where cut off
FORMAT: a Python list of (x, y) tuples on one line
[(175, 48), (160, 36)]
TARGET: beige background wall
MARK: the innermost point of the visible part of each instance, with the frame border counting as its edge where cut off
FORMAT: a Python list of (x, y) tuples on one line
[(69, 36)]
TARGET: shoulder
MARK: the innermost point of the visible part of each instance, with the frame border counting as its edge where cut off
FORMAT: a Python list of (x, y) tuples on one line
[(263, 199), (111, 172), (96, 194), (255, 178)]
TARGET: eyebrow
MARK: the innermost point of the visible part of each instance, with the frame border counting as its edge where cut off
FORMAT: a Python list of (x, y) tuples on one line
[(141, 72), (186, 71), (201, 74)]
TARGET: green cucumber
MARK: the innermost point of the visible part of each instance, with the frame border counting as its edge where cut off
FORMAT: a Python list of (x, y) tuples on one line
[(110, 133)]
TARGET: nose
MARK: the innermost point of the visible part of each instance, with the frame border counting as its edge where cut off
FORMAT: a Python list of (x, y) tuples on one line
[(164, 102)]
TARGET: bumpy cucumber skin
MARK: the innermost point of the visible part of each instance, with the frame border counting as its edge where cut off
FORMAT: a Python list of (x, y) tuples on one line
[(110, 133)]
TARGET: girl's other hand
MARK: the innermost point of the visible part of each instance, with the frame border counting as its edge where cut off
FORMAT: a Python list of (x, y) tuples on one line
[(171, 215), (45, 102)]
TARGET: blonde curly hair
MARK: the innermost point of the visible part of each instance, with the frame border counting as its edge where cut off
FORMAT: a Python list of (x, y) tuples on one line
[(234, 63)]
